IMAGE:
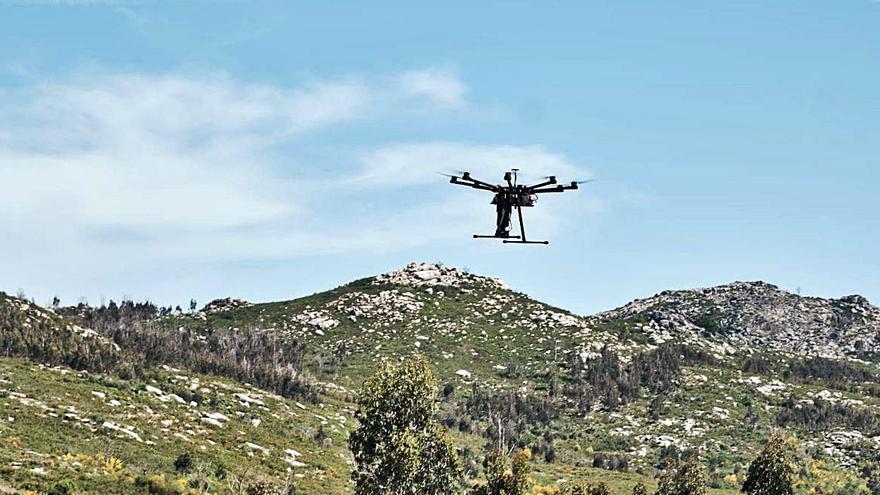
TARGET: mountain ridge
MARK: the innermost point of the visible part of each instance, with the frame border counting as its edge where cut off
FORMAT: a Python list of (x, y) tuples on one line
[(692, 372)]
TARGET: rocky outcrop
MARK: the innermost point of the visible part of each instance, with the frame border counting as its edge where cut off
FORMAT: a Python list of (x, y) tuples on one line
[(430, 274), (757, 315), (225, 304)]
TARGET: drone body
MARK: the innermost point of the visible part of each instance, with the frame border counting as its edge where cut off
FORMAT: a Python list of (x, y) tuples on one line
[(509, 197)]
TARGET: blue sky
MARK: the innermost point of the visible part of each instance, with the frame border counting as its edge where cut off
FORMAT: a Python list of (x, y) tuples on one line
[(268, 150)]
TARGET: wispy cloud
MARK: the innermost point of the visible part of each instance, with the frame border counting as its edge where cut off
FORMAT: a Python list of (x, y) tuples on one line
[(129, 170), (408, 164), (441, 85)]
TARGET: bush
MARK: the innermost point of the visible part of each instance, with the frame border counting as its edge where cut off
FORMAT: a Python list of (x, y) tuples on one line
[(183, 463), (63, 487), (771, 473), (499, 480), (683, 479)]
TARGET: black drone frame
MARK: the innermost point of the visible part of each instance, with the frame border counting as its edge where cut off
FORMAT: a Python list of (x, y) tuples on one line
[(520, 196)]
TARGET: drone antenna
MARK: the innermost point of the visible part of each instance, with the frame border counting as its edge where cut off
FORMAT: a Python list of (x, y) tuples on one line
[(515, 170)]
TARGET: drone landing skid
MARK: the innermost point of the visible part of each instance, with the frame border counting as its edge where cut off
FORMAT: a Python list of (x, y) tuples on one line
[(510, 239), (526, 242), (478, 236)]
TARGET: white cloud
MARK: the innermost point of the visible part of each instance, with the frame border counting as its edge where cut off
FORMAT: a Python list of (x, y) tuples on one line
[(407, 164), (180, 110), (158, 152), (126, 171), (442, 86)]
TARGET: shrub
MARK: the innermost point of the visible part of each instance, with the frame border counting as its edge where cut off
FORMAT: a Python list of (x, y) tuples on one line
[(183, 463), (771, 473), (398, 447)]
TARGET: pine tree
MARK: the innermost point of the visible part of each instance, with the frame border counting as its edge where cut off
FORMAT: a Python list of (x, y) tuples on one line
[(683, 479), (500, 481), (771, 473), (398, 447)]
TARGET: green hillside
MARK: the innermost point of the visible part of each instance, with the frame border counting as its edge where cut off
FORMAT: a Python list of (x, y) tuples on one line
[(250, 391)]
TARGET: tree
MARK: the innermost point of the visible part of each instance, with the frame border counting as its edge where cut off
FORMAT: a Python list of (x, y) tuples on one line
[(772, 472), (682, 479), (639, 489), (398, 447), (499, 480)]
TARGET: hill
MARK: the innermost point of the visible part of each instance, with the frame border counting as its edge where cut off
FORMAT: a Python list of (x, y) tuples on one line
[(705, 372), (757, 316)]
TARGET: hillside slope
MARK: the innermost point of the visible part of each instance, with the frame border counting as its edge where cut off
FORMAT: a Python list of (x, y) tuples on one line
[(705, 372), (459, 320)]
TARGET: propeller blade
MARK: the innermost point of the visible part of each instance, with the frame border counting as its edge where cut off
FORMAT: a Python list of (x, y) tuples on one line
[(460, 174), (583, 181)]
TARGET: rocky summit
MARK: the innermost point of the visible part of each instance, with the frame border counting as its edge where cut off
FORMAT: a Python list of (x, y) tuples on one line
[(426, 274), (757, 316), (225, 304)]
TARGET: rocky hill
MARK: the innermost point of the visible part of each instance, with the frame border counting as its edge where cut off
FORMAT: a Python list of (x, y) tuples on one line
[(757, 316), (266, 389)]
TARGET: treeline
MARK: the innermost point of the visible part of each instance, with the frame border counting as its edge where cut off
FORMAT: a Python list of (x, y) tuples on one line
[(129, 343), (822, 415), (521, 418), (812, 369), (112, 315), (610, 382), (834, 373), (247, 355), (48, 340)]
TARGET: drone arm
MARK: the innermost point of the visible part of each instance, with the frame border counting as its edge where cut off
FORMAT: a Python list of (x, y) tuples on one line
[(473, 183), (486, 185), (542, 184), (557, 189)]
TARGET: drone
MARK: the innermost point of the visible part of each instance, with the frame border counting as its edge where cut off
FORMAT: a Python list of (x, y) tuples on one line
[(510, 196)]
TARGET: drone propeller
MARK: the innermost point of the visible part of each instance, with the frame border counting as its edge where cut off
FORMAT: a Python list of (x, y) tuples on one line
[(583, 181), (444, 174)]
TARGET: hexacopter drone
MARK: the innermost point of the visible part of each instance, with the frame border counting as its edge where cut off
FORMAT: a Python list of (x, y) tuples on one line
[(512, 196)]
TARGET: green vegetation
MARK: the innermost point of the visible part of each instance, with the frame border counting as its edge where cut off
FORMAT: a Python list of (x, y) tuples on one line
[(398, 446), (684, 478), (772, 473), (268, 398), (500, 481)]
